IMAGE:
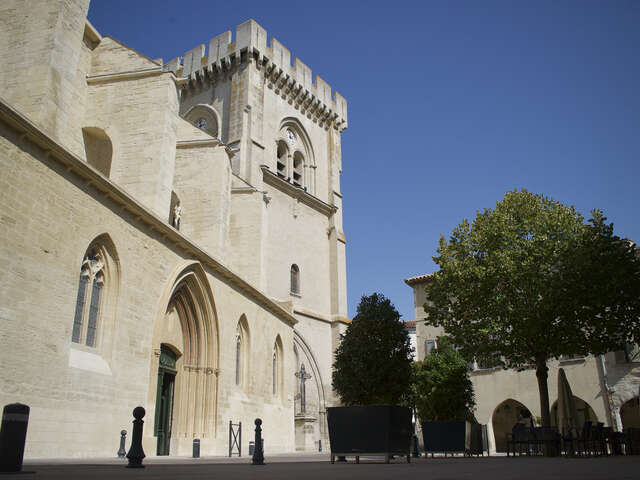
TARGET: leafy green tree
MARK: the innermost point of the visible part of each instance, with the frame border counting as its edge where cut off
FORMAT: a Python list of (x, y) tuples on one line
[(529, 281), (373, 362), (441, 388)]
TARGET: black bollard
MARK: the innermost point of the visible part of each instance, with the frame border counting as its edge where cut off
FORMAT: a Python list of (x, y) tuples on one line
[(196, 448), (320, 445), (258, 452), (121, 451), (136, 453), (15, 419)]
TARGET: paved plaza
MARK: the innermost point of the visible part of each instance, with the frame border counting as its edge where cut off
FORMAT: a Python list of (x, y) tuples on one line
[(317, 466)]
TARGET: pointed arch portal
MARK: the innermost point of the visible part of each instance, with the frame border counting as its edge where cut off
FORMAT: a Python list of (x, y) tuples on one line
[(185, 346)]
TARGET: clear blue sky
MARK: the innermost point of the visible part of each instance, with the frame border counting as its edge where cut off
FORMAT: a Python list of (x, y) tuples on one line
[(451, 104)]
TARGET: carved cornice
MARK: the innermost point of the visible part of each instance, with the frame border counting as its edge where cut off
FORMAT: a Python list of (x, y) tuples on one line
[(298, 193), (206, 142), (125, 202), (128, 75)]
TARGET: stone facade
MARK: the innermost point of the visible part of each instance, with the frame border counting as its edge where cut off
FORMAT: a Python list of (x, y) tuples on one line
[(607, 386), (171, 237)]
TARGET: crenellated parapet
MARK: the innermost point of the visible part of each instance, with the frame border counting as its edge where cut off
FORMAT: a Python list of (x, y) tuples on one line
[(312, 96)]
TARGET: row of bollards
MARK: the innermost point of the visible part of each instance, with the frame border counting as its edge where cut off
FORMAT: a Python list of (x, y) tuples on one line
[(15, 419)]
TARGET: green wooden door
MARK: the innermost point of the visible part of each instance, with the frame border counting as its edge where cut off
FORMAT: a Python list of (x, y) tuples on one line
[(164, 399)]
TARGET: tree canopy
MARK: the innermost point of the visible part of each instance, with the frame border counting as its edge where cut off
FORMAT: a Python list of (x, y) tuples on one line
[(441, 388), (373, 362), (530, 280)]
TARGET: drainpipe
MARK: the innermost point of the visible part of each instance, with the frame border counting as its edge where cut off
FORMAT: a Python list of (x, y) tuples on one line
[(608, 391)]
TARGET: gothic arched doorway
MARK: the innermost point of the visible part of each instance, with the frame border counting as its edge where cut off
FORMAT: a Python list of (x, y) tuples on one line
[(185, 345)]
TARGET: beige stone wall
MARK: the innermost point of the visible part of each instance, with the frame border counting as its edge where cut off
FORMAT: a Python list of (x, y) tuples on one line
[(297, 235), (203, 183), (42, 61), (81, 397), (139, 114), (423, 332), (112, 56), (69, 80)]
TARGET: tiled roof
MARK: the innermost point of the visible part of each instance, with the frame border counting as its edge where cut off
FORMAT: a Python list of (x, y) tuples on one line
[(410, 324), (419, 279)]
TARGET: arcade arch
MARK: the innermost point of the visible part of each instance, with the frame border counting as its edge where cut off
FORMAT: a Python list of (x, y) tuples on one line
[(503, 419)]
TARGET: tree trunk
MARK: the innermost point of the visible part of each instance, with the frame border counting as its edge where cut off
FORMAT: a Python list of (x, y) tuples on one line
[(542, 372)]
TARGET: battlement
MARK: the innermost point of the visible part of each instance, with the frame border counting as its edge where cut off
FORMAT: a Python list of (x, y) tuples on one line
[(296, 81)]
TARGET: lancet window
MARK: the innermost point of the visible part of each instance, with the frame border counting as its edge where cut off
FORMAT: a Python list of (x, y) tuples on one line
[(276, 367), (89, 299), (295, 279)]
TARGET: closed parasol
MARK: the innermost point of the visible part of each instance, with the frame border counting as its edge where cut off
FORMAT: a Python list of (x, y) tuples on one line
[(567, 414)]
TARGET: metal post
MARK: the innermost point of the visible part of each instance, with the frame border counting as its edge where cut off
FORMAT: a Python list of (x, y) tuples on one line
[(258, 453), (13, 435), (239, 439), (136, 453), (121, 451), (230, 432)]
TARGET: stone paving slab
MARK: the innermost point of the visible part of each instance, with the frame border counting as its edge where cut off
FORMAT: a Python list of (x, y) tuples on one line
[(493, 468)]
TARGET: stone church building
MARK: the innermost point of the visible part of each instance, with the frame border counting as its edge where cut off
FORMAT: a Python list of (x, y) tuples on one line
[(170, 236)]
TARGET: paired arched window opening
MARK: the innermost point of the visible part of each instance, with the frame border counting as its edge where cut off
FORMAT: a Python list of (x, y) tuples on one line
[(242, 352), (295, 279), (98, 274), (295, 161)]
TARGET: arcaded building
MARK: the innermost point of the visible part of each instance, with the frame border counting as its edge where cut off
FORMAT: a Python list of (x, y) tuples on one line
[(170, 236), (605, 388)]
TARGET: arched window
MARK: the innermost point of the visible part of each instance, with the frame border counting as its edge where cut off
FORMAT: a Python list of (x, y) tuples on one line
[(274, 371), (276, 367), (98, 149), (296, 160), (282, 160), (90, 297), (238, 359), (242, 352), (295, 279), (205, 118), (298, 166)]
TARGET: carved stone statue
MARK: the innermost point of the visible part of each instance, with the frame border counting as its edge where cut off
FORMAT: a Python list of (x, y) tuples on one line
[(177, 215)]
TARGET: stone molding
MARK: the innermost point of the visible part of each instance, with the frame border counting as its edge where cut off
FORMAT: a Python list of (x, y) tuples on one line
[(94, 179), (298, 193), (128, 75)]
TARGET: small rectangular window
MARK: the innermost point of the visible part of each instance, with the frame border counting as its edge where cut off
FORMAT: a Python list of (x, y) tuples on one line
[(430, 345)]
